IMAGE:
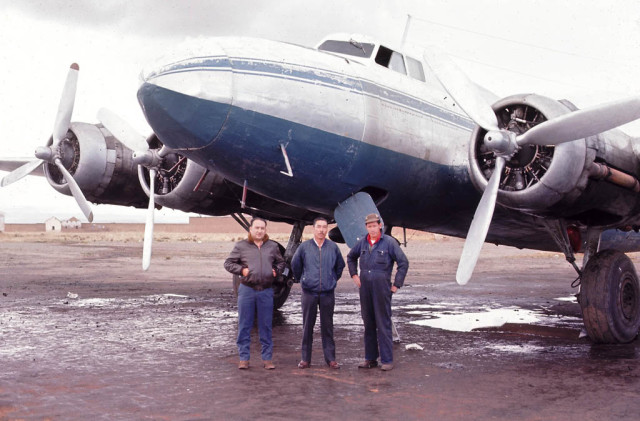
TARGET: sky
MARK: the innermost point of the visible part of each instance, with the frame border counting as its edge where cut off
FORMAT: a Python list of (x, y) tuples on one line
[(586, 51)]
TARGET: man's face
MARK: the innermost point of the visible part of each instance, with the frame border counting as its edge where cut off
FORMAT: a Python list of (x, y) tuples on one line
[(320, 230), (373, 228), (258, 230)]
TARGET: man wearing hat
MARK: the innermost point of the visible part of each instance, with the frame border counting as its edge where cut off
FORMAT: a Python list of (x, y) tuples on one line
[(377, 252)]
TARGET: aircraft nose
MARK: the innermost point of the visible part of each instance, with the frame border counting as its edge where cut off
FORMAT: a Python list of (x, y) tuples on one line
[(186, 100)]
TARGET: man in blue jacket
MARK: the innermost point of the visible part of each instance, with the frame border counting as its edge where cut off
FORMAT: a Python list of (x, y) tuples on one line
[(377, 252), (318, 265)]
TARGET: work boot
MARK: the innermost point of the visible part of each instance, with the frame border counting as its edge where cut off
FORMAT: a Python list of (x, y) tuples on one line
[(368, 364), (243, 364), (334, 365), (268, 364), (386, 367)]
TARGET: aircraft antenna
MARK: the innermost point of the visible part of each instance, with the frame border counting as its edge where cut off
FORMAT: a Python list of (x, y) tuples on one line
[(406, 31)]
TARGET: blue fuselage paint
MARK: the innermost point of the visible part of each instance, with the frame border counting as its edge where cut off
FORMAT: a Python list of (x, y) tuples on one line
[(327, 168)]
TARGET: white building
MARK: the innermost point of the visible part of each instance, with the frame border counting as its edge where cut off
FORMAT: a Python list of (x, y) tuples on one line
[(52, 224), (72, 223)]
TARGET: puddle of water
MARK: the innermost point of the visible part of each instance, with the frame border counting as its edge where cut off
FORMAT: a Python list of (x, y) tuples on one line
[(127, 302), (466, 322), (146, 327), (570, 299), (517, 349)]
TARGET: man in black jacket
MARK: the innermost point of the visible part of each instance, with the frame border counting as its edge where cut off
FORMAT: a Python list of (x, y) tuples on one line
[(258, 260), (318, 265), (377, 252)]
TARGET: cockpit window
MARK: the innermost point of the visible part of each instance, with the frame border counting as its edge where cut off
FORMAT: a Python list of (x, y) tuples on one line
[(352, 48), (415, 69), (391, 59)]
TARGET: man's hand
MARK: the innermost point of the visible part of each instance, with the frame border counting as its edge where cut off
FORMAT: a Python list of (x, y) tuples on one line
[(356, 280), (274, 272), (245, 271), (394, 289)]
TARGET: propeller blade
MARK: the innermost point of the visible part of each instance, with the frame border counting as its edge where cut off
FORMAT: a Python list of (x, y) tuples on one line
[(468, 95), (479, 226), (75, 191), (148, 227), (122, 130), (20, 172), (582, 123), (65, 108)]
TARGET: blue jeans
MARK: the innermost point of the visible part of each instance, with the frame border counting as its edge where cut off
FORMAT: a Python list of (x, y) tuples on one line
[(250, 300)]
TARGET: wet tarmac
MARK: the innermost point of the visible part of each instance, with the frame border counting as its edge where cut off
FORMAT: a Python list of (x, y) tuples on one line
[(84, 334)]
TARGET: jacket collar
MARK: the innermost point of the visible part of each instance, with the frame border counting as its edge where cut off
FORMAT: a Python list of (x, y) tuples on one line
[(264, 240)]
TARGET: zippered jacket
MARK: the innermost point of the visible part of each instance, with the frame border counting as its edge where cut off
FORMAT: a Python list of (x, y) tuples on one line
[(317, 268), (260, 261)]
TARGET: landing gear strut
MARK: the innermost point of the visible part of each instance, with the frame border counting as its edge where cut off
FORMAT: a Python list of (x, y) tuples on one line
[(609, 288), (282, 285)]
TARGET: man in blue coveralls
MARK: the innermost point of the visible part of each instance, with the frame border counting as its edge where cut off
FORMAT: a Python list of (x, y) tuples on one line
[(377, 252)]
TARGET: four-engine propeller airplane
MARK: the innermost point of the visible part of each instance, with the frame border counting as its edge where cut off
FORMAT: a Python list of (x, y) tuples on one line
[(288, 133)]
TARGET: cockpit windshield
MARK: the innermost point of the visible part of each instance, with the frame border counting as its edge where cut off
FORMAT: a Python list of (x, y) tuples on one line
[(352, 48)]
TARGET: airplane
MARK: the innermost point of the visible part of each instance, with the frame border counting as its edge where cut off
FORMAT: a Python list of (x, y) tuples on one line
[(247, 126)]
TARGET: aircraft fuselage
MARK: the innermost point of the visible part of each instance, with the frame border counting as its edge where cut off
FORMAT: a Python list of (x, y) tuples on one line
[(249, 105)]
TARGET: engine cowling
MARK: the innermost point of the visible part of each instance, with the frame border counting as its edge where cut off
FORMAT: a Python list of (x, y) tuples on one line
[(100, 164), (537, 179), (183, 184)]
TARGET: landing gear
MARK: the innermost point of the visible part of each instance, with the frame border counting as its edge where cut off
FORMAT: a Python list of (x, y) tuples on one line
[(610, 298), (282, 285), (609, 288)]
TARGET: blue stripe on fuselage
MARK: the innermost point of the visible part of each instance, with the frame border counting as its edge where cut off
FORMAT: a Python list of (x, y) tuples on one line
[(327, 168), (315, 75)]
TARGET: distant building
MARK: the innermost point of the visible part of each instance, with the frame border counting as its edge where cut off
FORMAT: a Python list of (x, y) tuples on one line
[(52, 224), (1, 222), (72, 223)]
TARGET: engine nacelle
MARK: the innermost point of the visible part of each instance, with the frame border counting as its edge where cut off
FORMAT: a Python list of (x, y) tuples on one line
[(100, 164), (182, 184), (538, 179)]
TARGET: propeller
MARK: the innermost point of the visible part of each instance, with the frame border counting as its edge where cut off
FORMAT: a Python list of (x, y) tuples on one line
[(504, 143), (51, 154), (122, 130), (148, 226), (142, 155)]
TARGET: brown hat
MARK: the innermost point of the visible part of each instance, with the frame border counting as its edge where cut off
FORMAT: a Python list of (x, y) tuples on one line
[(372, 217)]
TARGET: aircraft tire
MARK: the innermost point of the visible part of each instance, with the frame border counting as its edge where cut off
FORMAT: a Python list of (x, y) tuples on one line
[(280, 294), (610, 298)]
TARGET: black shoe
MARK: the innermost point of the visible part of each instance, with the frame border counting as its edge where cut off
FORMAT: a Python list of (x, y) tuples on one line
[(368, 364)]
